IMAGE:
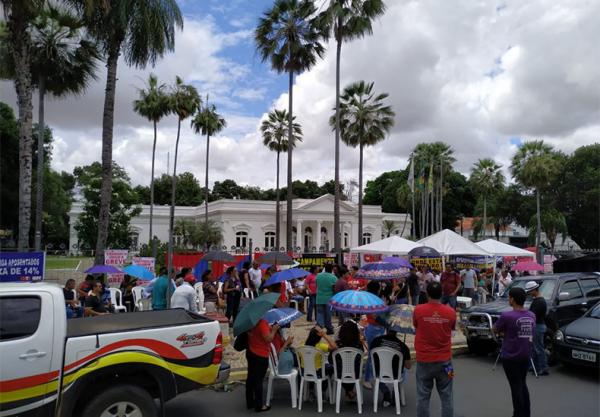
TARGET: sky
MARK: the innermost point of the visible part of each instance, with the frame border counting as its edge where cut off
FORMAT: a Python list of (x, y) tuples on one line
[(482, 76)]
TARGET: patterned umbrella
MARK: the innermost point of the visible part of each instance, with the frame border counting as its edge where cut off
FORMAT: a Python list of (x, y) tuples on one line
[(400, 318), (286, 275), (381, 271), (357, 302), (398, 261), (282, 316), (103, 269)]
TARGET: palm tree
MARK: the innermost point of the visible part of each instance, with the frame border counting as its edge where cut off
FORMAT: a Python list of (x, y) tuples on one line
[(345, 20), (18, 15), (142, 31), (209, 123), (153, 104), (184, 102), (388, 227), (553, 222), (288, 37), (534, 166), (274, 137), (486, 178), (364, 120)]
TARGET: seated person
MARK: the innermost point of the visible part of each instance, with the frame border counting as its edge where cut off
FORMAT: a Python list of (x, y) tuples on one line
[(74, 309), (319, 339), (94, 305), (390, 340), (84, 289), (210, 287), (283, 344), (350, 336)]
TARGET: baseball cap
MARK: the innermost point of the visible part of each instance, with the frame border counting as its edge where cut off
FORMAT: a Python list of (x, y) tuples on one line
[(531, 285)]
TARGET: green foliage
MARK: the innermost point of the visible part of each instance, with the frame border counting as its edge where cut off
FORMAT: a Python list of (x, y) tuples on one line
[(388, 227), (193, 234), (207, 121), (375, 190), (486, 177), (553, 223), (535, 164), (122, 206), (346, 20), (153, 101), (187, 193), (274, 131)]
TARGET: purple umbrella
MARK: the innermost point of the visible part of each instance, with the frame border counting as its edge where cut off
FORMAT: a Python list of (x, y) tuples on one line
[(103, 269), (398, 261)]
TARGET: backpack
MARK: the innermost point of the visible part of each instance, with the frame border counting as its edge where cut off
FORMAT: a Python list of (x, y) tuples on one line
[(241, 342)]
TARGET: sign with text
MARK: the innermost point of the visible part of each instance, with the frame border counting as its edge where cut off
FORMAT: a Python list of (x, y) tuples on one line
[(474, 262), (116, 258), (147, 262), (351, 259), (314, 259), (22, 266), (433, 263)]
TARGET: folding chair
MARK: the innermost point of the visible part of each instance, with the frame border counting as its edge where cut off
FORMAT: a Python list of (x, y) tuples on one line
[(307, 358), (385, 375), (116, 299), (347, 374), (274, 374)]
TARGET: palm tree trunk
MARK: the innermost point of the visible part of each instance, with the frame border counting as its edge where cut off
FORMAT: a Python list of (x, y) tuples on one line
[(277, 208), (206, 242), (441, 193), (40, 166), (360, 195), (172, 211), (107, 142), (432, 210), (20, 50), (288, 214), (484, 215), (336, 201), (151, 235), (538, 232)]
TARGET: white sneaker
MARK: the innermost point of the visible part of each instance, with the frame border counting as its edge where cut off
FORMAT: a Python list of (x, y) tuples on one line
[(367, 385)]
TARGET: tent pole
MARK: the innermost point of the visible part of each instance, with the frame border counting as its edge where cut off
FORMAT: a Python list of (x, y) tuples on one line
[(494, 276)]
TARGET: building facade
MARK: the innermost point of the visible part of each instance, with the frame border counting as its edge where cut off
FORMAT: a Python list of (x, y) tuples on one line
[(252, 221)]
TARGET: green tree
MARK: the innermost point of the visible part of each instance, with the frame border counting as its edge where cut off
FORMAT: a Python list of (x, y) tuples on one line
[(153, 104), (287, 36), (388, 227), (553, 223), (122, 208), (208, 122), (187, 193), (194, 235), (227, 189), (534, 166), (142, 31), (486, 179), (345, 20), (274, 132), (9, 165), (184, 102), (363, 120)]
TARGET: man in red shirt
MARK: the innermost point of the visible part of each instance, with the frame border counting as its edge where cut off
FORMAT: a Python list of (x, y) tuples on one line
[(311, 286), (450, 281), (434, 323)]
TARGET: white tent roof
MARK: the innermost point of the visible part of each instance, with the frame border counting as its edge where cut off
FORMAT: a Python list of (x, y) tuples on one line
[(502, 249), (448, 242), (393, 245)]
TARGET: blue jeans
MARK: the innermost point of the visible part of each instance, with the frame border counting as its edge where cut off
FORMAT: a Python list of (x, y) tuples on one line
[(324, 317), (74, 312), (539, 353), (371, 332), (427, 373), (311, 307), (449, 299)]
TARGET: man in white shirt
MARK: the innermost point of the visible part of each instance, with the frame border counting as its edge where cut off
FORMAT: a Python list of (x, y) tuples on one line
[(469, 279), (504, 280), (256, 275), (184, 296)]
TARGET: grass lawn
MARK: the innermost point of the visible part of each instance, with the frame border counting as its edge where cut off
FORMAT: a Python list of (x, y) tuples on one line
[(62, 262)]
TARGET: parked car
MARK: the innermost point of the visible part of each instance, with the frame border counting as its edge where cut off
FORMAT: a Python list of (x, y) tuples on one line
[(568, 297), (579, 341), (116, 364)]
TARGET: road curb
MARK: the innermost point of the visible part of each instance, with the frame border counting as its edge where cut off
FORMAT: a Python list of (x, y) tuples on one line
[(239, 374)]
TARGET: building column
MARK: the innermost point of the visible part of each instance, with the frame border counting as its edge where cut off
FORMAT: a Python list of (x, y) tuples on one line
[(299, 234), (347, 229), (318, 243)]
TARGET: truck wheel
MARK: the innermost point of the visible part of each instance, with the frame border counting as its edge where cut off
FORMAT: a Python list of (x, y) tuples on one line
[(121, 401)]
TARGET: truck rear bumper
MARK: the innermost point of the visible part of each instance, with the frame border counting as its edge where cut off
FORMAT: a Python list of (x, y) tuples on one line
[(224, 370)]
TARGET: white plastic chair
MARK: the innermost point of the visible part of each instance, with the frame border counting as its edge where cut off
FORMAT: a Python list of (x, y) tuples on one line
[(116, 299), (199, 298), (274, 374), (385, 357), (138, 296), (347, 374), (307, 356)]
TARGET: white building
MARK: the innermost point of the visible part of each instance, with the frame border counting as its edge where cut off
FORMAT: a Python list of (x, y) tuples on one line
[(242, 220)]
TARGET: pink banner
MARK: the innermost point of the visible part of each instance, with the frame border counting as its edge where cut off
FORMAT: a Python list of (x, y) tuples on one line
[(116, 258)]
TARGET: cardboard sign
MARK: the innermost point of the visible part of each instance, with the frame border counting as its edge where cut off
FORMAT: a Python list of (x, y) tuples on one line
[(433, 263), (22, 266), (116, 258), (314, 259)]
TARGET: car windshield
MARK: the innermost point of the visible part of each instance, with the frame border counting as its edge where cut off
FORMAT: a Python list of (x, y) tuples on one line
[(595, 313), (546, 287)]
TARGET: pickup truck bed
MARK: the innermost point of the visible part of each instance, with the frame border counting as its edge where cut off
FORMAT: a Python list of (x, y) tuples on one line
[(141, 320)]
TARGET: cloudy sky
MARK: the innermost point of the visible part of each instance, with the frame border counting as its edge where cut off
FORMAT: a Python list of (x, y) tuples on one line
[(479, 75)]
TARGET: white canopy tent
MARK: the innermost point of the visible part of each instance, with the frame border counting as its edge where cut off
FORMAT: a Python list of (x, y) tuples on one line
[(393, 245), (447, 242), (502, 249)]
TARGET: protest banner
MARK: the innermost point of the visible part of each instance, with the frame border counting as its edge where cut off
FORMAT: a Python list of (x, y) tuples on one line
[(314, 259), (22, 266), (116, 258), (474, 262), (147, 262), (372, 257), (350, 259), (433, 263)]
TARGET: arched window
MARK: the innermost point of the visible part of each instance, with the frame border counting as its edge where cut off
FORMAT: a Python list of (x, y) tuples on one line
[(269, 239), (241, 239), (366, 238), (308, 238)]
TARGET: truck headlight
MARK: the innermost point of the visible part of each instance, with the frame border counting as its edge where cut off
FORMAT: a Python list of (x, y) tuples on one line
[(559, 336), (464, 317)]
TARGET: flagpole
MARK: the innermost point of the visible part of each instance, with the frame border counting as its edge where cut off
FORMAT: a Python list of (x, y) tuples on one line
[(441, 192)]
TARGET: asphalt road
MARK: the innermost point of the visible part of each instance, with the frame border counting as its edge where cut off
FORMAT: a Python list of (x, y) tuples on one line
[(478, 391)]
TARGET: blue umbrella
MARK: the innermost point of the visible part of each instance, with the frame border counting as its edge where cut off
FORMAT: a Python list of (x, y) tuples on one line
[(103, 269), (381, 271), (398, 261), (400, 318), (139, 272), (357, 302), (286, 275), (282, 316)]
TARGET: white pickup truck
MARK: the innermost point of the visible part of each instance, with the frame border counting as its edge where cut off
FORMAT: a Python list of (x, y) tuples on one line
[(113, 365)]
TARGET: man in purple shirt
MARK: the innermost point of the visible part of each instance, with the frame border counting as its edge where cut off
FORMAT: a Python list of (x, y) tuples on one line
[(517, 328)]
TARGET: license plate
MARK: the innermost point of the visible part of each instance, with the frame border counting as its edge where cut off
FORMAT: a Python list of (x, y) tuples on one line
[(584, 356)]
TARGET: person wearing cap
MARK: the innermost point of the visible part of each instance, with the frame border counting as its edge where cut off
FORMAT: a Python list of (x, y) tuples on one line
[(539, 308)]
